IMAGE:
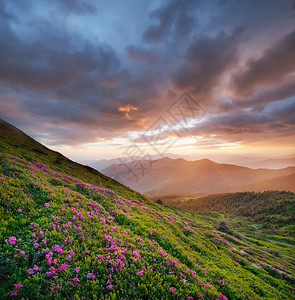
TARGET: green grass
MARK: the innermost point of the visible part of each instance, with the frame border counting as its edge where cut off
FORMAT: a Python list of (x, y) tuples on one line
[(179, 251)]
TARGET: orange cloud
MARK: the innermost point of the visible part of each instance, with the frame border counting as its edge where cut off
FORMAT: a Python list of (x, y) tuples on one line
[(127, 109)]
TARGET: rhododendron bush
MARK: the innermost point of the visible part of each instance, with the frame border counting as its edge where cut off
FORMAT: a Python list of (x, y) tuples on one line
[(62, 238)]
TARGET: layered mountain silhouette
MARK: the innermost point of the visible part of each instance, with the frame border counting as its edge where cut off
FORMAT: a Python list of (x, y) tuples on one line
[(168, 176)]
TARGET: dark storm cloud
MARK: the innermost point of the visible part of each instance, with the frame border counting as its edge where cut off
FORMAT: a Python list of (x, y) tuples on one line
[(74, 70), (140, 55), (206, 59), (265, 95), (77, 6), (5, 13), (271, 68), (173, 17), (48, 62), (275, 118)]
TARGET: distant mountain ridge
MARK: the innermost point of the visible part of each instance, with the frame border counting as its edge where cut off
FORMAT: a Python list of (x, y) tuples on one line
[(179, 176), (102, 164)]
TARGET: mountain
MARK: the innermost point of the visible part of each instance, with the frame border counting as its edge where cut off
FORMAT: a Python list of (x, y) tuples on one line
[(282, 183), (177, 176), (14, 141), (275, 163), (258, 162), (104, 163)]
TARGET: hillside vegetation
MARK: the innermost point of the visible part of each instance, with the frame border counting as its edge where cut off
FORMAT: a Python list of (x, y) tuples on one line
[(63, 238), (272, 208), (268, 217), (14, 141)]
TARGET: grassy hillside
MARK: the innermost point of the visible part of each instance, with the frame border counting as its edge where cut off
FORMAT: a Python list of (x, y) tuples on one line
[(272, 208), (14, 141), (62, 238), (268, 217)]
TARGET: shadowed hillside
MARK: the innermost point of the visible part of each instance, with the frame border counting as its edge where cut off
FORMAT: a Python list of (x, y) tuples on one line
[(14, 141)]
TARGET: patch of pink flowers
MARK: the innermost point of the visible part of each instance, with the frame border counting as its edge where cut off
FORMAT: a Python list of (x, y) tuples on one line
[(11, 240)]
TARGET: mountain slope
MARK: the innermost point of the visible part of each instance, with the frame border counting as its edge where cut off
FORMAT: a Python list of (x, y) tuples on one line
[(178, 176), (275, 163), (14, 141), (270, 208), (61, 238), (286, 183)]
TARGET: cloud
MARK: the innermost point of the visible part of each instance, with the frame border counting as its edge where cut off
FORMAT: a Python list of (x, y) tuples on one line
[(171, 17), (127, 109), (49, 64), (206, 59), (77, 6), (77, 72), (138, 54), (269, 94), (271, 68)]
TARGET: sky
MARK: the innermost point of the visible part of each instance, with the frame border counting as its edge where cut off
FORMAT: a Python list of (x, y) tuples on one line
[(104, 79)]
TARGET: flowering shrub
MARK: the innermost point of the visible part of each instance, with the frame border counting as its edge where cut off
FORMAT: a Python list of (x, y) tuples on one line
[(62, 238)]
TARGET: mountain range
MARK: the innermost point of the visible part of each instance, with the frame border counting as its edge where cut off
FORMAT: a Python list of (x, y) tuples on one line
[(168, 176)]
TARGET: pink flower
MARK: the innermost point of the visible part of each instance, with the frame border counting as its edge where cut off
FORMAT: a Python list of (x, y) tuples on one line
[(200, 282), (36, 245), (13, 293), (19, 210), (172, 290), (36, 268), (31, 271), (11, 240), (110, 286), (47, 205), (19, 285), (141, 272), (62, 267), (77, 269), (89, 275), (76, 279), (22, 252)]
